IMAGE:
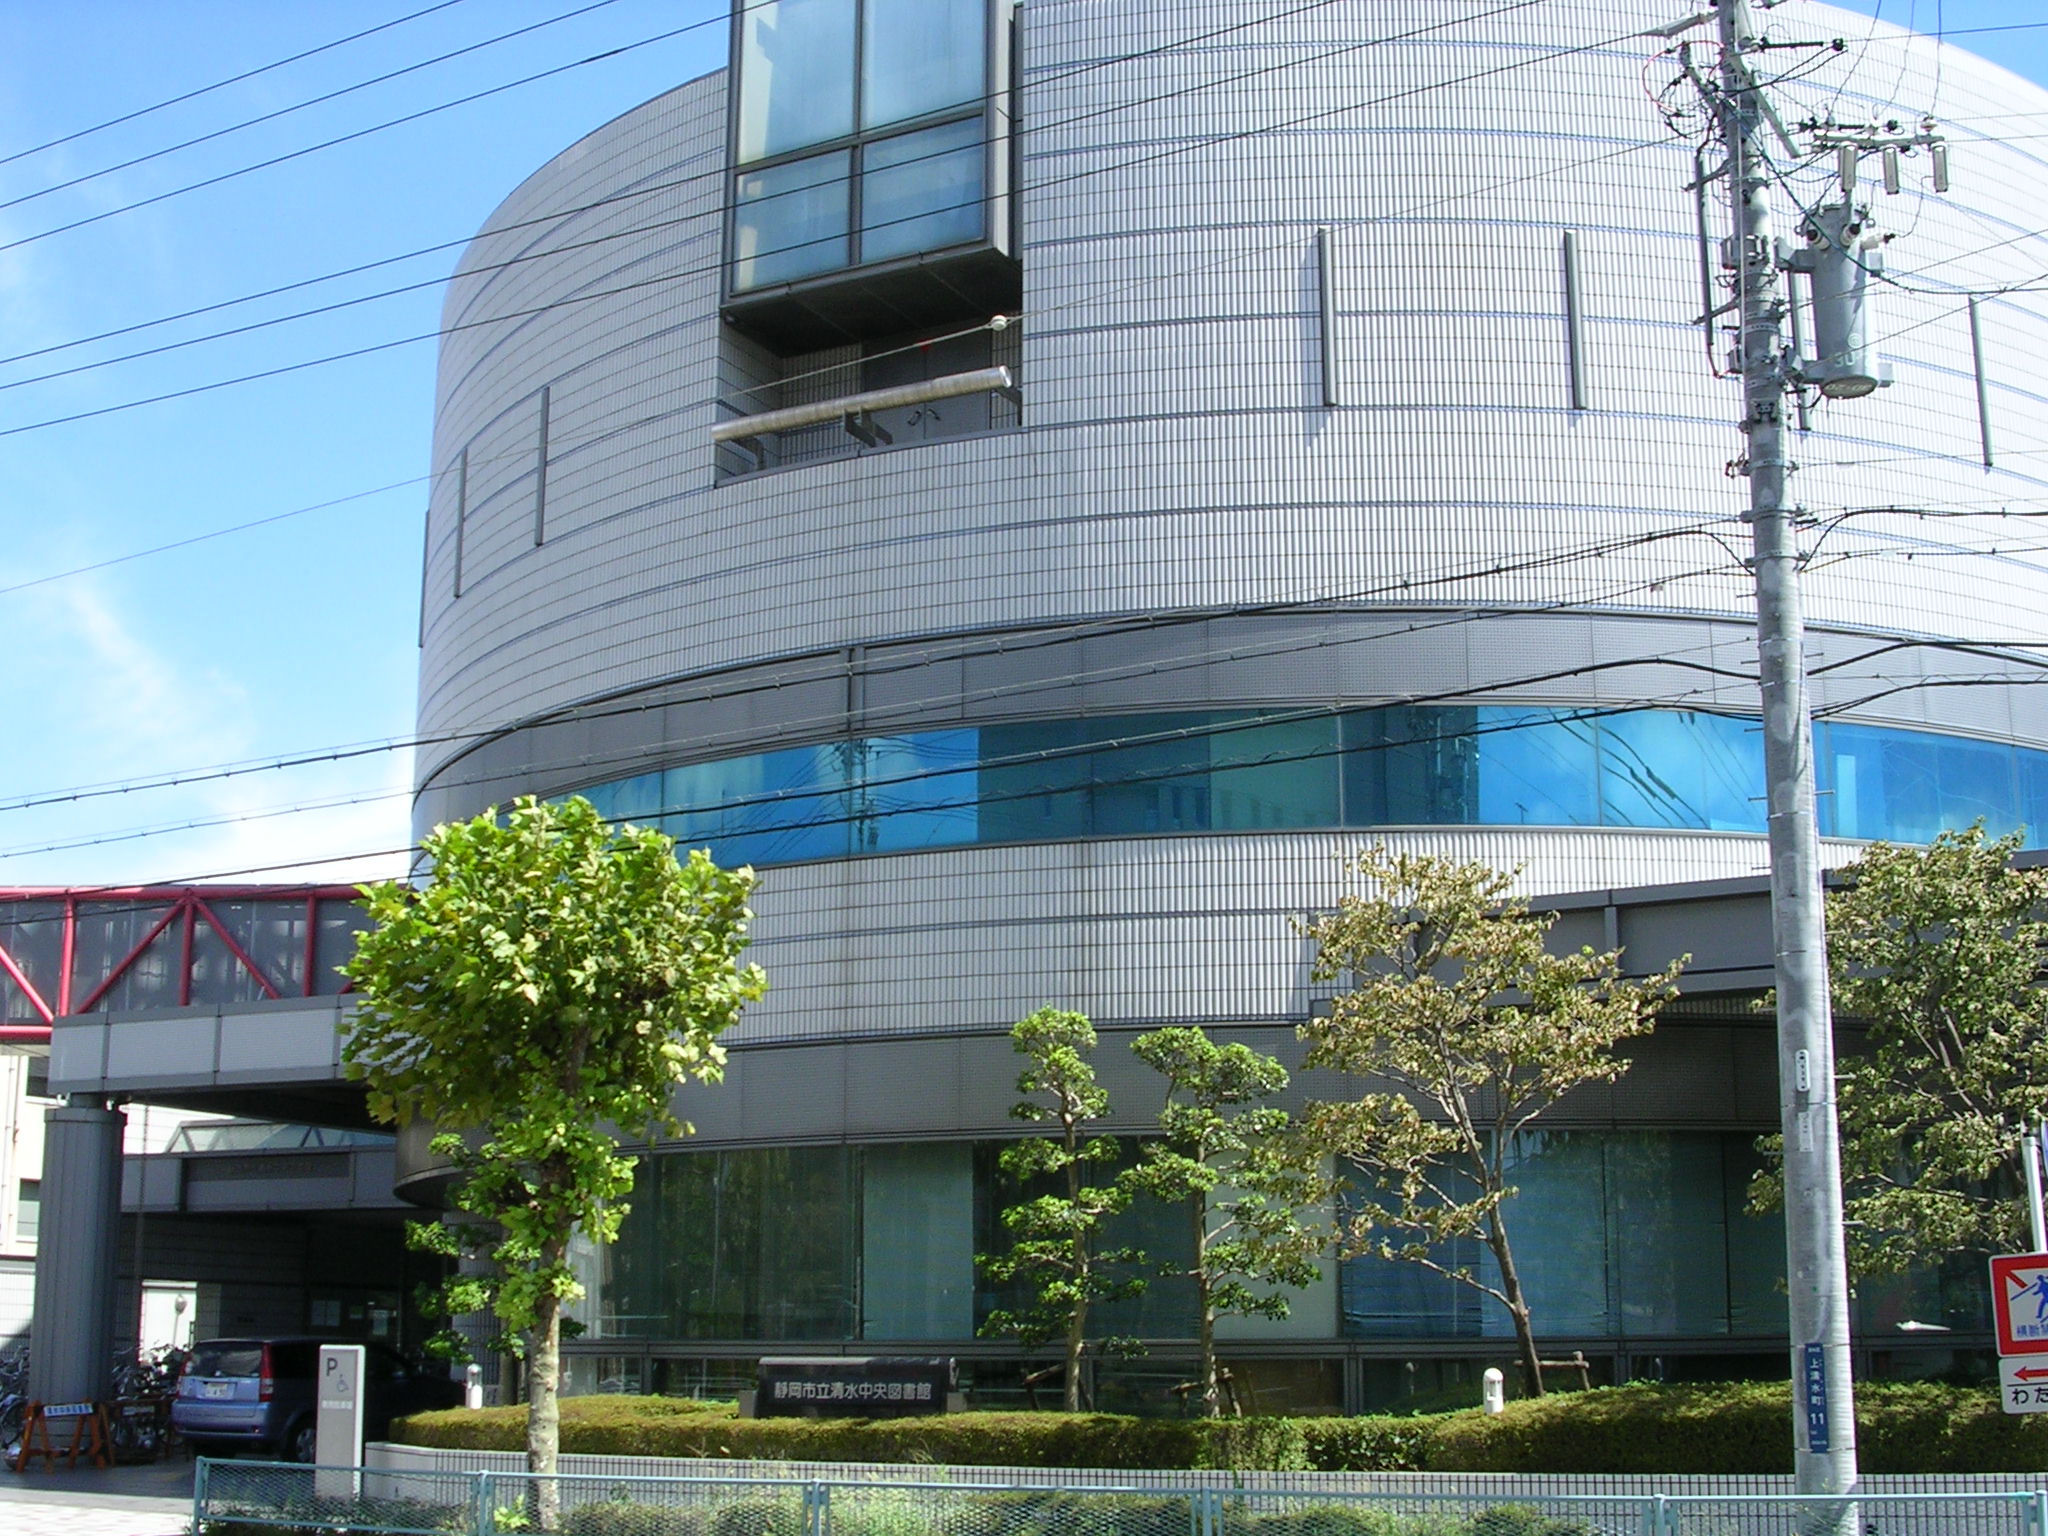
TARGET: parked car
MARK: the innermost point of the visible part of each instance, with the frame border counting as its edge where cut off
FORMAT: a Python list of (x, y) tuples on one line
[(258, 1394)]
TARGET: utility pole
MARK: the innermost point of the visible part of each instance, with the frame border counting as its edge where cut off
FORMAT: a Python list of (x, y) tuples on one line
[(1817, 1278)]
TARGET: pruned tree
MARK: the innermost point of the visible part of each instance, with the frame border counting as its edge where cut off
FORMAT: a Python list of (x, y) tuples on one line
[(1226, 1156), (1448, 997), (1937, 951), (1055, 1250), (545, 993)]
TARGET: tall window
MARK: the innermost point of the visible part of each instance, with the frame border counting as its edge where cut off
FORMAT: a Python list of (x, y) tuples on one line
[(861, 134)]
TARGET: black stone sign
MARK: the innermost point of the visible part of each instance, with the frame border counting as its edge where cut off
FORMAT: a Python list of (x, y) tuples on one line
[(854, 1387)]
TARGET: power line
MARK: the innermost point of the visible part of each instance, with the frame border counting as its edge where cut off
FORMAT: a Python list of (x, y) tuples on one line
[(217, 533), (1194, 659), (247, 74), (359, 133), (565, 213), (1057, 753), (1340, 109), (1406, 586), (1550, 717), (300, 106), (1179, 149), (1986, 649), (719, 173), (598, 435)]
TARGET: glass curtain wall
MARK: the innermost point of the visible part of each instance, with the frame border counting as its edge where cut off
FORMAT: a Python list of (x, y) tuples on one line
[(1637, 1234), (1248, 771), (1617, 1234)]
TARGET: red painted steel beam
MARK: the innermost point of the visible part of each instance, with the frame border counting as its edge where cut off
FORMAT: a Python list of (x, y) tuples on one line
[(191, 903), (201, 909), (28, 988)]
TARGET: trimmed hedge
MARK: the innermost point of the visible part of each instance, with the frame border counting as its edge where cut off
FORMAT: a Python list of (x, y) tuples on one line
[(1738, 1427), (641, 1426), (1735, 1428)]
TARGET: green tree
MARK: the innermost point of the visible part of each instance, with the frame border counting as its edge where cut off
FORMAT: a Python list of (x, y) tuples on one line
[(546, 992), (1055, 1247), (1937, 951), (1449, 998), (1225, 1155)]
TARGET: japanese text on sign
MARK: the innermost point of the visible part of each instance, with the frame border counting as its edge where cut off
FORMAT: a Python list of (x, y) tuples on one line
[(855, 1391), (1814, 1376)]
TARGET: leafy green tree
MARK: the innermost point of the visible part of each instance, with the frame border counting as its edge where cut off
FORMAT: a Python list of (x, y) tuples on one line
[(1449, 998), (1055, 1247), (1937, 951), (1225, 1155), (547, 991)]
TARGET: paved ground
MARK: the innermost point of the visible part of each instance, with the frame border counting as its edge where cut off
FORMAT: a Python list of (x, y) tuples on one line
[(151, 1500)]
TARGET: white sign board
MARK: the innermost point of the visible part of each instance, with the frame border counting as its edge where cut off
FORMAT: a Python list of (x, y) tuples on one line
[(338, 1419), (2023, 1384)]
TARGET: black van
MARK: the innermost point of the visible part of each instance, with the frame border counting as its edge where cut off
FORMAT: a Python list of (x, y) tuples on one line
[(258, 1394)]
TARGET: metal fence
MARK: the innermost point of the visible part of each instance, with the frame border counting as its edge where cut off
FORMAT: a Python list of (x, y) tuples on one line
[(241, 1498)]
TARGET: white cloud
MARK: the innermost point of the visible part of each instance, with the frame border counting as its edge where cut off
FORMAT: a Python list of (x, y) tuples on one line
[(100, 700)]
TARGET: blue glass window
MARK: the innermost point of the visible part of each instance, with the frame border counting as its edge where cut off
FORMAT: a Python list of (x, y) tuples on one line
[(637, 800), (1644, 1234), (923, 191), (1274, 776), (1667, 768), (774, 808), (795, 76), (1154, 779), (790, 220), (917, 791), (1035, 781), (1240, 771), (1977, 784), (827, 176), (1407, 766), (2033, 795), (1537, 768), (919, 57)]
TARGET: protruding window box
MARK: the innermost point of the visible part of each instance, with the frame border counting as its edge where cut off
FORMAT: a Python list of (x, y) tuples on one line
[(871, 155)]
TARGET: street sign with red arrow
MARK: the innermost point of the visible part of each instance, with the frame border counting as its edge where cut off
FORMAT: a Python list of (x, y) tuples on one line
[(2023, 1385)]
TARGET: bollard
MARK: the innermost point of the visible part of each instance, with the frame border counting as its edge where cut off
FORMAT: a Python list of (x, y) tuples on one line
[(472, 1386), (1493, 1390)]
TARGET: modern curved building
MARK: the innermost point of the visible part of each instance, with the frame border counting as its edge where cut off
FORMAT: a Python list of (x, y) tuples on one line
[(1042, 483)]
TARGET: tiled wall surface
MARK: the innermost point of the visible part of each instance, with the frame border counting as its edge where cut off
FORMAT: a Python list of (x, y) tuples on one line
[(1176, 458)]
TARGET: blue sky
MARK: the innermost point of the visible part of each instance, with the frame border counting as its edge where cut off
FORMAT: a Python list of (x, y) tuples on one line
[(301, 634), (297, 637)]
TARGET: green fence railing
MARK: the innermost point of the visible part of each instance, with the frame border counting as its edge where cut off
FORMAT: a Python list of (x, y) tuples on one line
[(243, 1498)]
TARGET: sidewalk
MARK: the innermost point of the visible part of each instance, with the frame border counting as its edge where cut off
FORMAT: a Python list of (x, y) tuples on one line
[(152, 1500)]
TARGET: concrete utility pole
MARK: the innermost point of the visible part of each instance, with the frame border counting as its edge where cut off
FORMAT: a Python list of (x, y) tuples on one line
[(1824, 1427)]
